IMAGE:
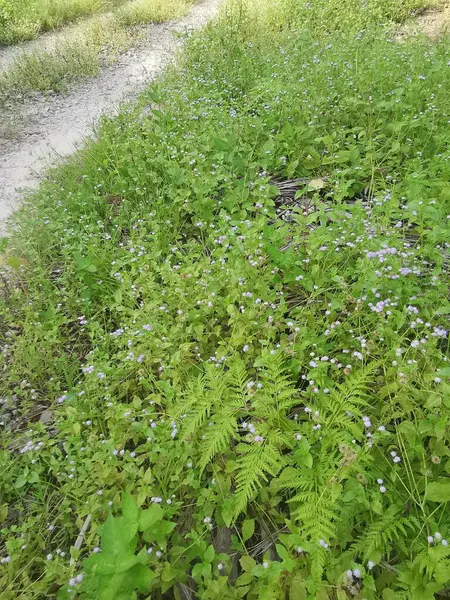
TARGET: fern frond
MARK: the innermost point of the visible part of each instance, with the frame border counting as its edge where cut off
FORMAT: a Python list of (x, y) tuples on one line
[(293, 478), (218, 437), (237, 375), (196, 406), (383, 532), (278, 394), (212, 393), (318, 513), (257, 461), (350, 398), (317, 557)]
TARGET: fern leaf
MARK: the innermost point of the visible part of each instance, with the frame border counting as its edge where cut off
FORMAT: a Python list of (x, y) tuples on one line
[(350, 398), (383, 532), (255, 464), (217, 438)]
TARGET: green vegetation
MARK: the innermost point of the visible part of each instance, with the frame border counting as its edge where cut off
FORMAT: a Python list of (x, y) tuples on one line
[(82, 51), (26, 19), (156, 11), (75, 56), (343, 15), (225, 330)]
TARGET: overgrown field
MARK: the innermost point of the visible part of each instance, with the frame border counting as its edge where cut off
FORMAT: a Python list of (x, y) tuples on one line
[(225, 329)]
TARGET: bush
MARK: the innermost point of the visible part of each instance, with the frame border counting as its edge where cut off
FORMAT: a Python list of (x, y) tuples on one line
[(234, 306)]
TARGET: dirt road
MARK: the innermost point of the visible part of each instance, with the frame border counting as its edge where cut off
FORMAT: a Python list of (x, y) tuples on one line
[(53, 127)]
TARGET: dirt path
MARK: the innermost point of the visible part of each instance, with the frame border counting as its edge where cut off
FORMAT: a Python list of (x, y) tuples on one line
[(433, 23), (55, 126)]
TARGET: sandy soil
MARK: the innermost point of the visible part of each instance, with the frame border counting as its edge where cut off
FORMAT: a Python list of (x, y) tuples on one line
[(433, 23), (53, 127)]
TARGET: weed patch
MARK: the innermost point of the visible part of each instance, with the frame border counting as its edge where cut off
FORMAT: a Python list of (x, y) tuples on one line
[(235, 306), (157, 11), (25, 20)]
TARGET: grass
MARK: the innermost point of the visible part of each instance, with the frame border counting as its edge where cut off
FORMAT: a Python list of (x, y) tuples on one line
[(26, 19), (247, 395), (75, 56), (156, 11), (342, 15), (82, 51)]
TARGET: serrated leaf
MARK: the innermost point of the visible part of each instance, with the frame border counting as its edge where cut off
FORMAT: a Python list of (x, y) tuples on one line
[(297, 589), (110, 586), (105, 563), (438, 491), (116, 536), (247, 563)]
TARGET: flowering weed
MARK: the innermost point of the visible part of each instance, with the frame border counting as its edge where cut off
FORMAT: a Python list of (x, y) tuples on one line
[(234, 305)]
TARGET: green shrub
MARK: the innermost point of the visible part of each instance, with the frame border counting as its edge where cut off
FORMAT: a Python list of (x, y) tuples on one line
[(265, 380), (342, 15)]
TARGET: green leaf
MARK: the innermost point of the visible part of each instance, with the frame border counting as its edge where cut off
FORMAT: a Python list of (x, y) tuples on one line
[(438, 491), (20, 481), (142, 577), (221, 144), (201, 570), (248, 528), (159, 532), (297, 589), (102, 563), (105, 563), (247, 563), (168, 574), (149, 517), (130, 511), (197, 571), (116, 536), (227, 510), (15, 262), (244, 579), (282, 552), (209, 554), (110, 587), (3, 512), (443, 310)]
